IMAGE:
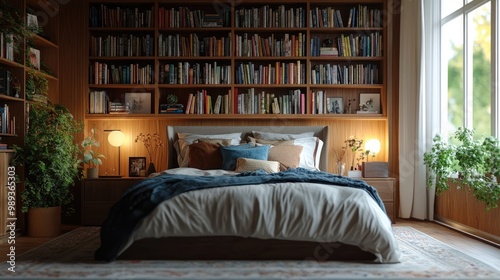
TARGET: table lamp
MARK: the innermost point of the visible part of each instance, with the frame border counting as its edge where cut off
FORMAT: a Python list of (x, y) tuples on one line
[(116, 139), (374, 169)]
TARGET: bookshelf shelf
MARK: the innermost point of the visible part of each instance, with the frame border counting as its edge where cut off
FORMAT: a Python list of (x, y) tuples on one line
[(272, 41)]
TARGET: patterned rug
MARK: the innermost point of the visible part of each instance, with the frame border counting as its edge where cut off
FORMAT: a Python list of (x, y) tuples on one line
[(70, 257)]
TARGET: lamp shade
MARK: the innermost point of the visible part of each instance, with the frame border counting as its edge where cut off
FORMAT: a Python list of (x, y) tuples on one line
[(372, 146), (116, 138)]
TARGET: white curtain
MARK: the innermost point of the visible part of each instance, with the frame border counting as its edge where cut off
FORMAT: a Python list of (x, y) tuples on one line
[(419, 101)]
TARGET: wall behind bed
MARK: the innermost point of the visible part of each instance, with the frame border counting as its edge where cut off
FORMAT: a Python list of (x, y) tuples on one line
[(338, 132)]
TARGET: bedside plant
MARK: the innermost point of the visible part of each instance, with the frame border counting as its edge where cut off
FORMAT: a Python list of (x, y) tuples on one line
[(91, 157), (472, 164)]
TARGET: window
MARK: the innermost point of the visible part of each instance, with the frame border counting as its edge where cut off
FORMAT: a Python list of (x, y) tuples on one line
[(469, 83)]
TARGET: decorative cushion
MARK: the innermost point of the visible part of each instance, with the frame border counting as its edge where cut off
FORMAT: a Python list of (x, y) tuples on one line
[(185, 139), (287, 155), (247, 164), (205, 156), (269, 142), (280, 136), (231, 153)]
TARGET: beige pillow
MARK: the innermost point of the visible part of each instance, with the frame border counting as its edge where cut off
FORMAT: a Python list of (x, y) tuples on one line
[(287, 155), (247, 164), (269, 142)]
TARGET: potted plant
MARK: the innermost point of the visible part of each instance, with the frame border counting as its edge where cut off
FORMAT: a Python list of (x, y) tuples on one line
[(91, 157), (472, 164), (50, 158)]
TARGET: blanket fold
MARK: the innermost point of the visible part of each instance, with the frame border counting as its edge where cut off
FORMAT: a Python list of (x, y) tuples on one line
[(142, 198)]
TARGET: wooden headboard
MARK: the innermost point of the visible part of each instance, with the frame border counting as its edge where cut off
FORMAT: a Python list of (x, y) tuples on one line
[(319, 131)]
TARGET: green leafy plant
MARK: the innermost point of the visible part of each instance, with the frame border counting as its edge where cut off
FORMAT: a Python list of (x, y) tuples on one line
[(471, 164), (354, 145), (49, 155), (91, 157)]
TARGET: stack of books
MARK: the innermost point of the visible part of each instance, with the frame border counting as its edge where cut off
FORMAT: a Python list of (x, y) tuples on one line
[(171, 109), (3, 146), (119, 108)]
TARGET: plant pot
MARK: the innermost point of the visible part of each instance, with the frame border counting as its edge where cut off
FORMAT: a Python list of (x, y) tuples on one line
[(354, 173), (93, 172), (44, 222)]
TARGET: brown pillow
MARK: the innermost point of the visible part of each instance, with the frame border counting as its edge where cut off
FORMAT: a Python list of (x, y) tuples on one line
[(287, 155), (205, 156)]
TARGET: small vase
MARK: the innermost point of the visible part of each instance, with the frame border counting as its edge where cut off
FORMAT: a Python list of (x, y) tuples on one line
[(341, 168), (151, 168)]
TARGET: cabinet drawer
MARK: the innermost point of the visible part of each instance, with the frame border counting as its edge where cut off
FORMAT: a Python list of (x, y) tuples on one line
[(385, 188)]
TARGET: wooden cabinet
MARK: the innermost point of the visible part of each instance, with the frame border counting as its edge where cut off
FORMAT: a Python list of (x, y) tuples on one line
[(386, 190), (98, 195)]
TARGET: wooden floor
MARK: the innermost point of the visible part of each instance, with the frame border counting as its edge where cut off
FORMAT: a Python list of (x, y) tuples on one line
[(481, 250)]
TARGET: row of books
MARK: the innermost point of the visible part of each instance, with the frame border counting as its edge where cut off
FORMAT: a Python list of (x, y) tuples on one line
[(279, 73), (98, 102), (345, 74), (368, 45), (267, 16), (256, 45), (202, 103), (262, 102), (7, 121), (3, 146), (102, 73), (195, 73), (103, 15), (359, 16), (123, 45), (7, 46), (191, 45), (186, 18)]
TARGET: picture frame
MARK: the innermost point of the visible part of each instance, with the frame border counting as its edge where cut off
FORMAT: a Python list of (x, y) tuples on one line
[(34, 56), (335, 105), (32, 22), (139, 102), (369, 103), (137, 166)]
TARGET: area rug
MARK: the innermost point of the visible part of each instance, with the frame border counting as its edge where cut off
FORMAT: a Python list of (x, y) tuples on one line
[(70, 257)]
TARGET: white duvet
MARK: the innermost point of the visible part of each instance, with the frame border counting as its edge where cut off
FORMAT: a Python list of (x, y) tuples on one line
[(292, 211)]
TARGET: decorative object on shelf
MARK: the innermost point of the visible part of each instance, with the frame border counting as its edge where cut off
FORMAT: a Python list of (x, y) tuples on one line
[(152, 142), (50, 157), (471, 164), (34, 58), (91, 157), (340, 158), (172, 99), (16, 87), (116, 139), (137, 166), (369, 103), (139, 102), (350, 106), (335, 105)]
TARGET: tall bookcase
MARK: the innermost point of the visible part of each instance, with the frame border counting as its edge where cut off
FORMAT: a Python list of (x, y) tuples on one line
[(252, 49), (282, 49), (18, 64)]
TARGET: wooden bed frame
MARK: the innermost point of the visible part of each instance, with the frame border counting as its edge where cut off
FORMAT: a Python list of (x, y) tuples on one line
[(239, 248)]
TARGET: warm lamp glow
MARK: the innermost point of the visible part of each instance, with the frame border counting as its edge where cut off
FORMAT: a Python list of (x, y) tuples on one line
[(372, 147), (116, 138)]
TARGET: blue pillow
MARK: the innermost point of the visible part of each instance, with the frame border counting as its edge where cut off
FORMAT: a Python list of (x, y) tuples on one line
[(231, 153)]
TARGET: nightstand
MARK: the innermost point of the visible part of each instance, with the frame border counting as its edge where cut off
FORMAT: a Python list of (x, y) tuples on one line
[(386, 191), (98, 195)]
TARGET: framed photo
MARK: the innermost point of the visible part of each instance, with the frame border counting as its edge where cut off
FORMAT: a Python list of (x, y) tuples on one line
[(35, 58), (335, 105), (137, 166), (139, 102), (369, 103), (32, 22)]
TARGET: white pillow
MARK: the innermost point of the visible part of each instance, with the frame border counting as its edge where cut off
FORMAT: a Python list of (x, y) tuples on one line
[(185, 139), (311, 153), (280, 136)]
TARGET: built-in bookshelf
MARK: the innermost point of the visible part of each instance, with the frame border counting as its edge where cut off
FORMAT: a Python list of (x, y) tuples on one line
[(257, 58), (26, 64)]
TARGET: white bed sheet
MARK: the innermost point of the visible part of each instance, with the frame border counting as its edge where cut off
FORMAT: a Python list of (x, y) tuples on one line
[(291, 211)]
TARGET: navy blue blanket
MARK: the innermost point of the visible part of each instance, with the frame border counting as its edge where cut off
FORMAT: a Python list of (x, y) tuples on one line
[(142, 198)]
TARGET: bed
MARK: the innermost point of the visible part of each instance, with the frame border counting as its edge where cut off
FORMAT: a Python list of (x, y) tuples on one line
[(243, 212)]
